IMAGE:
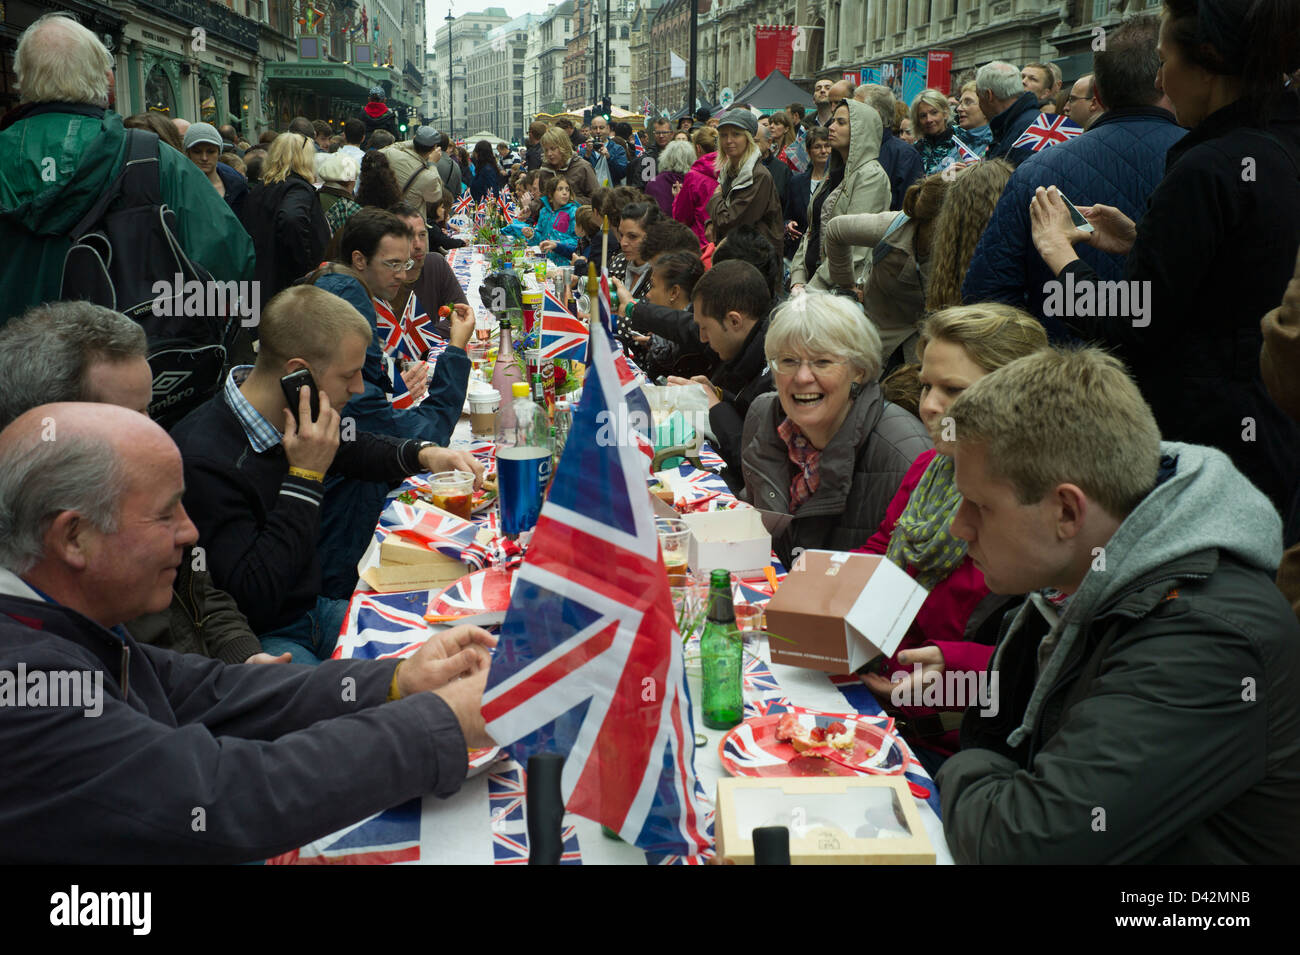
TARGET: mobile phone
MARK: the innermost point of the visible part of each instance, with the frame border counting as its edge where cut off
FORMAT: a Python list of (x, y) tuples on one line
[(1080, 223), (291, 384)]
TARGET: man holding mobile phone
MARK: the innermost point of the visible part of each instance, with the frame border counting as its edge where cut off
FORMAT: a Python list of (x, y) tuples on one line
[(255, 468)]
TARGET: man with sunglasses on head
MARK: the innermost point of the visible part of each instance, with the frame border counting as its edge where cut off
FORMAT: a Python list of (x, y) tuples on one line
[(381, 265)]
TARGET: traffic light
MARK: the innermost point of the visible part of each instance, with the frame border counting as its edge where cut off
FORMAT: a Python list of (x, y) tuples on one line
[(605, 108)]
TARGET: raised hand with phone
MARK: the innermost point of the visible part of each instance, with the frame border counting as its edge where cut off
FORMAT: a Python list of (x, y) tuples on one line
[(311, 426)]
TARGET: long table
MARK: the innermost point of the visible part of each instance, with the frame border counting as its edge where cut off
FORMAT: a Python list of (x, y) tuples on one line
[(484, 823)]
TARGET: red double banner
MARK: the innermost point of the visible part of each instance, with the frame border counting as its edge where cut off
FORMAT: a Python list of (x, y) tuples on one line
[(939, 70), (773, 50)]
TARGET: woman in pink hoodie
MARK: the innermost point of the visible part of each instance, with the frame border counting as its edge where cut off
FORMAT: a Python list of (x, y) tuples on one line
[(691, 204), (958, 346)]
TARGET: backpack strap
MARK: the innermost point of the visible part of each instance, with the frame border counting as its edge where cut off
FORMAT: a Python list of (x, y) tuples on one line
[(137, 182), (414, 176)]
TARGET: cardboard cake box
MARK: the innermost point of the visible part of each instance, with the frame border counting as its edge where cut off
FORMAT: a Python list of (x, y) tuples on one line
[(833, 820), (406, 564), (839, 611), (734, 540)]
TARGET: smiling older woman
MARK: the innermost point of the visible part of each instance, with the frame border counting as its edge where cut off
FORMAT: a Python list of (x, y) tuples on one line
[(826, 447)]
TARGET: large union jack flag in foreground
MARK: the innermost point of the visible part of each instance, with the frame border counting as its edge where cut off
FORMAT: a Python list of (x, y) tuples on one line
[(592, 664), (1048, 130)]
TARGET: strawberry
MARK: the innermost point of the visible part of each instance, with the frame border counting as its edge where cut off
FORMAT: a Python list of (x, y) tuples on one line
[(817, 734), (836, 729)]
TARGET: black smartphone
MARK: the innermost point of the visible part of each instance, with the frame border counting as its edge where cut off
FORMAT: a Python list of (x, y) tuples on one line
[(291, 384)]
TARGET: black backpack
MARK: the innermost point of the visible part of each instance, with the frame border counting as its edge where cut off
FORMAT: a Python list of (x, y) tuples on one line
[(121, 250)]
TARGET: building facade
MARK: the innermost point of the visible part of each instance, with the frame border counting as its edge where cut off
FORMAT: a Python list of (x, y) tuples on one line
[(495, 78), (844, 35), (670, 43), (464, 33), (544, 61), (598, 58)]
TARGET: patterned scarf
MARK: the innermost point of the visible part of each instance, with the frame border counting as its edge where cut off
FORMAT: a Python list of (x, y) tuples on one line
[(807, 460), (923, 536)]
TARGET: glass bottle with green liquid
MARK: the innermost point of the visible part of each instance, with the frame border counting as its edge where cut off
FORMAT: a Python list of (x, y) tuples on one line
[(721, 657)]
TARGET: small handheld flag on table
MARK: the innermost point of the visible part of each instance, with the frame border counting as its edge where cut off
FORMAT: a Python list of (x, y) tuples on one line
[(563, 334)]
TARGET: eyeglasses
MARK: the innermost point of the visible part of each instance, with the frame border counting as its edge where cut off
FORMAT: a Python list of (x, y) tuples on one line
[(788, 365), (1072, 98), (393, 265)]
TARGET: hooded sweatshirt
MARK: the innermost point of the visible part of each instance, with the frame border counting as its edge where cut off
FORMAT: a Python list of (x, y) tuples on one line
[(691, 204), (855, 186), (1140, 696)]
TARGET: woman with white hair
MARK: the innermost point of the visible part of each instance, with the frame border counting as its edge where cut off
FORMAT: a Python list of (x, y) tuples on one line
[(826, 447), (746, 194), (675, 161), (338, 172), (283, 215)]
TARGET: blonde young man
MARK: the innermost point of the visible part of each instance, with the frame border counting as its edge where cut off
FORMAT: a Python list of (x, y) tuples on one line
[(1145, 703)]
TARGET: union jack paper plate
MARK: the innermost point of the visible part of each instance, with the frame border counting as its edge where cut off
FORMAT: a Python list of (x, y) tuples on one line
[(483, 591), (752, 749)]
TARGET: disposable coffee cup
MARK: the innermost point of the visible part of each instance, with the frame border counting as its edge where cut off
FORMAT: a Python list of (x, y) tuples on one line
[(484, 408)]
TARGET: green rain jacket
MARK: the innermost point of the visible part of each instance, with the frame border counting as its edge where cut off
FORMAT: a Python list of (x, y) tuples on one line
[(56, 159)]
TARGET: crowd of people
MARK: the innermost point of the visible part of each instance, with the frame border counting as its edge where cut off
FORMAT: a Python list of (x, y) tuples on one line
[(1075, 427)]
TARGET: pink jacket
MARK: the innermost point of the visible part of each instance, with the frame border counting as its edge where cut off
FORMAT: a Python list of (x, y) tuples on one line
[(691, 204), (941, 621)]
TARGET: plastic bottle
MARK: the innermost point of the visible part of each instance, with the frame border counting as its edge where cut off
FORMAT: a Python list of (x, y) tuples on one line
[(524, 456)]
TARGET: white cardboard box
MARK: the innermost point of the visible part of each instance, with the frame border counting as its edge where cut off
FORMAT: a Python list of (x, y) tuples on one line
[(733, 540)]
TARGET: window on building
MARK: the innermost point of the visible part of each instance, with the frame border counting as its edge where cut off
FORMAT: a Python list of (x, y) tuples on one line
[(1100, 8)]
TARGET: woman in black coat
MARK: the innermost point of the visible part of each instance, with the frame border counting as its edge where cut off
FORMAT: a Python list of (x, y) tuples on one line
[(487, 177), (803, 186), (282, 215), (1216, 246)]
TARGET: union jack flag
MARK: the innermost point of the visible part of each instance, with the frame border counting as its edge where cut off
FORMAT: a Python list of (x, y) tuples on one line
[(407, 337), (399, 395), (464, 205), (507, 208), (444, 533), (382, 627), (391, 836), (1048, 130), (563, 334), (629, 376), (597, 671), (636, 144), (966, 154)]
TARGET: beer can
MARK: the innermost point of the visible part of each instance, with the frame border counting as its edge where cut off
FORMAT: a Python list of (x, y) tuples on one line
[(522, 475)]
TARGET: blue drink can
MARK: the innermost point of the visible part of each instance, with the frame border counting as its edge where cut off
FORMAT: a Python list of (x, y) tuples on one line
[(522, 475)]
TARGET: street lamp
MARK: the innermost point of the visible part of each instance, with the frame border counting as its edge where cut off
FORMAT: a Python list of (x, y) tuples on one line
[(451, 80)]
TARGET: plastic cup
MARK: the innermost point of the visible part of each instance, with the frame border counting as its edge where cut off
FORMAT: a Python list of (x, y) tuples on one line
[(675, 545), (484, 407), (453, 491)]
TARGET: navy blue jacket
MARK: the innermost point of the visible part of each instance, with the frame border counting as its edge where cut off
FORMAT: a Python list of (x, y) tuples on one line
[(276, 755), (1119, 161), (902, 164), (1009, 125), (485, 181), (236, 187), (1216, 248)]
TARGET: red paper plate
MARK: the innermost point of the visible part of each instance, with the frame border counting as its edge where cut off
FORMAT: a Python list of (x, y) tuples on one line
[(752, 749), (479, 592)]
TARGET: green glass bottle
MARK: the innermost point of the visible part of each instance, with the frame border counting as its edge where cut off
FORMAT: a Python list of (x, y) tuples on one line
[(721, 657)]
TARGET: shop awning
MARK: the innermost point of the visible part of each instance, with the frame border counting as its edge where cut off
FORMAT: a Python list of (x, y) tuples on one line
[(327, 79)]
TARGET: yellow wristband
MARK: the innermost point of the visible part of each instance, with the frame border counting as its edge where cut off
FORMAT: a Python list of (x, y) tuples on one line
[(394, 693), (307, 475)]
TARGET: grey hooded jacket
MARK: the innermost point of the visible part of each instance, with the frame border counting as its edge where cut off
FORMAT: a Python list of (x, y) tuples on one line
[(1156, 721), (865, 189), (861, 469)]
